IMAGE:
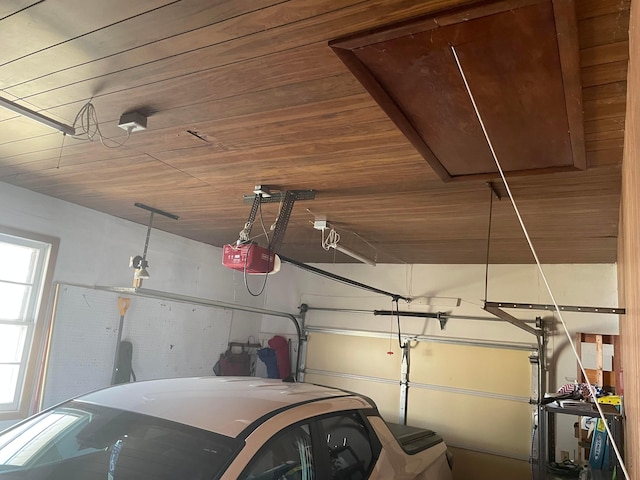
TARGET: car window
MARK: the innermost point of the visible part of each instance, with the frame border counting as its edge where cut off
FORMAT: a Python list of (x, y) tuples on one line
[(288, 456), (350, 448), (78, 441)]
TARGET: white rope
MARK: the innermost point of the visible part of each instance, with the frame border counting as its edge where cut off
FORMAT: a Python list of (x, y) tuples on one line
[(535, 256)]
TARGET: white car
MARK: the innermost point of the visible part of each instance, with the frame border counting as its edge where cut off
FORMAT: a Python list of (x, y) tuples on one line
[(218, 428)]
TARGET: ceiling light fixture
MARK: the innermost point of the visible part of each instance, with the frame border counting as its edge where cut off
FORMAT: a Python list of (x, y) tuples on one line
[(355, 255), (38, 117), (332, 241)]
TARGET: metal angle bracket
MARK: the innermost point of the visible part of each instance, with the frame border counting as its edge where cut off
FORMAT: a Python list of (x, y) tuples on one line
[(155, 210), (494, 310), (278, 197), (564, 308), (442, 317), (443, 320), (282, 221)]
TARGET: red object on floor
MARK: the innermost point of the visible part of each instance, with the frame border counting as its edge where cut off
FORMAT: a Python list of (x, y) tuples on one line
[(281, 346), (253, 257)]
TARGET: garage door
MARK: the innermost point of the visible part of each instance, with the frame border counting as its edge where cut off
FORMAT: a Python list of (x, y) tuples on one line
[(477, 397)]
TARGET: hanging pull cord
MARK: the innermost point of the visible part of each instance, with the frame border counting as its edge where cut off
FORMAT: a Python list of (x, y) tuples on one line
[(394, 300), (542, 275)]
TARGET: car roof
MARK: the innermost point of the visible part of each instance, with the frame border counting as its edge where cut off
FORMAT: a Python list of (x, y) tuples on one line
[(225, 405)]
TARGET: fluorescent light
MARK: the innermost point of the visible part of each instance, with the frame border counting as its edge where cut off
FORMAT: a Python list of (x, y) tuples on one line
[(38, 117), (353, 254)]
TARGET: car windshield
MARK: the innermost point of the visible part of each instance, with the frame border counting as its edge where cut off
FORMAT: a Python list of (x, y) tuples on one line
[(79, 441)]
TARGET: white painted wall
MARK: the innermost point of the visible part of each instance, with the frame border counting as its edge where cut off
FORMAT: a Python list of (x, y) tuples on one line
[(95, 249)]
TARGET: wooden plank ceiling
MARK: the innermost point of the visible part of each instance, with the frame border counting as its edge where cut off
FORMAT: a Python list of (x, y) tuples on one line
[(247, 92)]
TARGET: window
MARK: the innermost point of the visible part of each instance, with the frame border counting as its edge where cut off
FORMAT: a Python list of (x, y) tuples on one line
[(78, 441), (288, 456), (25, 261), (351, 452)]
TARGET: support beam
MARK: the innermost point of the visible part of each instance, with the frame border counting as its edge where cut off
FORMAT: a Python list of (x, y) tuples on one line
[(551, 307), (491, 308), (346, 281)]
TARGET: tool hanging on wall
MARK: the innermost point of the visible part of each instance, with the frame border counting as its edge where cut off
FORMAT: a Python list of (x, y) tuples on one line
[(123, 306)]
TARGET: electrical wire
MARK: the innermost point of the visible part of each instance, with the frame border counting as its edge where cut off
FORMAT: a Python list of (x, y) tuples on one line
[(244, 270), (540, 269), (87, 122), (61, 147), (331, 240)]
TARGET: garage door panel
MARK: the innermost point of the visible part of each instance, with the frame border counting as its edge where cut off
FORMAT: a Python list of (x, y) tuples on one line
[(486, 424), (496, 370), (385, 395), (353, 355)]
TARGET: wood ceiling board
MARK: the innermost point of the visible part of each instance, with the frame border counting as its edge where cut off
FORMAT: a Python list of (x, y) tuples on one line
[(595, 8), (599, 92), (612, 52), (262, 41), (612, 156), (192, 88), (604, 73), (535, 78), (12, 7), (192, 25), (50, 23), (601, 30)]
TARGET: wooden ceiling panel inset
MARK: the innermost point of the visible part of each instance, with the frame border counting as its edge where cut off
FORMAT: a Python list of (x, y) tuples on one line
[(522, 63)]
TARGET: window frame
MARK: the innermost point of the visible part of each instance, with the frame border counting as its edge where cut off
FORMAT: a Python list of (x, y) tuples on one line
[(323, 460), (319, 452), (35, 317), (310, 423)]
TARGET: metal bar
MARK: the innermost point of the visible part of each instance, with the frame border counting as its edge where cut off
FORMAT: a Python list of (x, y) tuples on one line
[(425, 338), (146, 242), (155, 210), (277, 197), (564, 308), (387, 313), (404, 383), (438, 315), (444, 315), (344, 280), (512, 320), (252, 214), (494, 190), (144, 292), (38, 117), (282, 222), (542, 418)]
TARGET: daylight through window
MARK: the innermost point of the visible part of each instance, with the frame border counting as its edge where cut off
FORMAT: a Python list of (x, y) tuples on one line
[(23, 262)]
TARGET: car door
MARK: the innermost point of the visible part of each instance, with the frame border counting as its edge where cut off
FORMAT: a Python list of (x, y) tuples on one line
[(286, 456), (337, 446), (348, 447)]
